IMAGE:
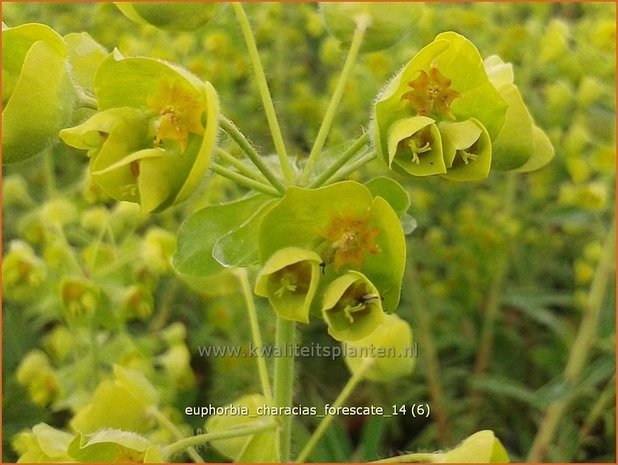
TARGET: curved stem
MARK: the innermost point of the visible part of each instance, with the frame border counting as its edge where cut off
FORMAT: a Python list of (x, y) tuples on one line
[(240, 166), (244, 181), (238, 137), (328, 419), (578, 356), (284, 382), (494, 297), (269, 108), (244, 430), (362, 23), (362, 161), (342, 160), (255, 333), (172, 428)]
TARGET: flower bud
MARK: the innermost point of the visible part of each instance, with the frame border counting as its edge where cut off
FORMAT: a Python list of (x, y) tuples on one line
[(257, 448), (289, 279), (387, 23), (38, 95), (177, 363), (59, 343), (387, 351), (15, 192), (22, 272), (352, 307), (158, 247), (35, 373), (137, 302), (173, 16), (80, 297), (153, 137), (481, 447)]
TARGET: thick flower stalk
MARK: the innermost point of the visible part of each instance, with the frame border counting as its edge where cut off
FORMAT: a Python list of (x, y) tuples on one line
[(153, 137)]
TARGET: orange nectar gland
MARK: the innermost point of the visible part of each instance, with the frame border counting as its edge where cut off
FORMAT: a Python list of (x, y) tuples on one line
[(431, 93), (351, 239), (180, 113)]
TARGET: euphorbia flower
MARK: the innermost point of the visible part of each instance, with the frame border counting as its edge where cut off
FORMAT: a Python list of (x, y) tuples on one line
[(347, 227), (350, 240), (443, 83), (289, 279), (152, 140)]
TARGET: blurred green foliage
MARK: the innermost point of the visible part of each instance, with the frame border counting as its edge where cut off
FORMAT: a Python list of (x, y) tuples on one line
[(544, 230)]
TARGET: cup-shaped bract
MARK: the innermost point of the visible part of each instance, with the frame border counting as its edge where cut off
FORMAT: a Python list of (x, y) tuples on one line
[(121, 403), (387, 351), (38, 95), (386, 23), (520, 145), (43, 444), (415, 147), (289, 279), (80, 297), (173, 16), (347, 227), (153, 137), (445, 82), (467, 150), (352, 307), (257, 448), (114, 446)]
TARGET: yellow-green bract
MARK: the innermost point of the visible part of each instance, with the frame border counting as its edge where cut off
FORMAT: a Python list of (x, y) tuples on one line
[(174, 16), (387, 351), (387, 23), (153, 137), (38, 96)]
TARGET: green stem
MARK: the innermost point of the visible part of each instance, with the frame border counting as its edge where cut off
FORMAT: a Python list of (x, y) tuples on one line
[(238, 137), (94, 352), (50, 173), (244, 430), (255, 333), (578, 356), (339, 162), (426, 341), (244, 181), (494, 297), (352, 167), (172, 428), (240, 166), (417, 458), (362, 23), (328, 419), (284, 382), (599, 408), (269, 108)]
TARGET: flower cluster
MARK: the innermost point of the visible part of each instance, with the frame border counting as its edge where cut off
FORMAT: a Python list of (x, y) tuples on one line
[(448, 113)]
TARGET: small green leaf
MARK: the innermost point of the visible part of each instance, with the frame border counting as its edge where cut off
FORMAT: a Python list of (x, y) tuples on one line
[(111, 446), (198, 235), (391, 191), (43, 444)]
